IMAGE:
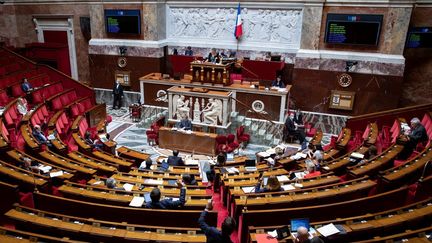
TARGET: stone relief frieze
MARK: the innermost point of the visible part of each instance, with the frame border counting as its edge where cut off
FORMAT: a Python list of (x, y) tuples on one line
[(259, 25)]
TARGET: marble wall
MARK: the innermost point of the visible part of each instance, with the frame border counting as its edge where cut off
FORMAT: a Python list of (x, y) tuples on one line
[(311, 25), (105, 96), (417, 86)]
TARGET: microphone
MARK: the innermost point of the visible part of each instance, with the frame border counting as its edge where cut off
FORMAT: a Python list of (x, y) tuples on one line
[(424, 171)]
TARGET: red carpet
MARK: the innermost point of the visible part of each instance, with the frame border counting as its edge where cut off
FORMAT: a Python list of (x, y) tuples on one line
[(222, 214)]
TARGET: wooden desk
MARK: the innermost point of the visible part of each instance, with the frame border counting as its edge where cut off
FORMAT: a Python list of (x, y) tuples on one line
[(207, 72), (128, 153), (197, 142)]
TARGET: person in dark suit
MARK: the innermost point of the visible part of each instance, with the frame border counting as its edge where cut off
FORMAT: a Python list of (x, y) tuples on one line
[(188, 51), (278, 82), (39, 136), (212, 233), (291, 129), (168, 203), (26, 86), (185, 123), (298, 117), (213, 56), (118, 95), (417, 134), (175, 160), (189, 179)]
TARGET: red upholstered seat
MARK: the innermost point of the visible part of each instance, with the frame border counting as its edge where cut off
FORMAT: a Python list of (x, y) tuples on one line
[(231, 143), (75, 111), (17, 91), (56, 104), (4, 99), (26, 199), (108, 119), (221, 143), (153, 134), (242, 137), (332, 143)]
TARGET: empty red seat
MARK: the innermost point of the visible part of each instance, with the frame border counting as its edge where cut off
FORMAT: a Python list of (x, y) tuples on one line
[(17, 91), (56, 104)]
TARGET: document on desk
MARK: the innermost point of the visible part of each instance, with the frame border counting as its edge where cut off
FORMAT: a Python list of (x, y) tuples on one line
[(137, 202), (191, 161), (263, 154), (45, 168), (232, 170), (288, 187), (248, 189), (128, 187), (328, 230), (56, 174), (153, 182), (282, 178)]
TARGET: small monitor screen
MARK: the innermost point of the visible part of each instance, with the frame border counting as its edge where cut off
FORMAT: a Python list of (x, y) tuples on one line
[(250, 163), (420, 37), (123, 21), (295, 223)]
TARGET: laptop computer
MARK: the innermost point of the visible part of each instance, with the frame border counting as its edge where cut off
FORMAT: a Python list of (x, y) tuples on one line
[(147, 197), (250, 165), (296, 223), (164, 166)]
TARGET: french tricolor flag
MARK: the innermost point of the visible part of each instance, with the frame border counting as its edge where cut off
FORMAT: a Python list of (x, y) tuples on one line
[(238, 32)]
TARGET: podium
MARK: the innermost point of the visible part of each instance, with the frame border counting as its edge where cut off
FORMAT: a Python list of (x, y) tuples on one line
[(207, 72)]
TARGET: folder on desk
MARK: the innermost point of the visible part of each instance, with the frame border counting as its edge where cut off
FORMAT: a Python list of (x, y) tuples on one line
[(128, 187), (137, 202)]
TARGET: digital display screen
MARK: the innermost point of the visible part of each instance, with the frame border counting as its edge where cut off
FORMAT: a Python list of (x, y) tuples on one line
[(123, 21), (352, 29), (420, 37)]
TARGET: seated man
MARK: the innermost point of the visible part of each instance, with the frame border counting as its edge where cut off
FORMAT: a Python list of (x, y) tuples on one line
[(212, 233), (26, 86), (188, 51), (111, 183), (146, 165), (311, 169), (292, 129), (169, 203), (27, 164), (189, 179), (39, 136), (93, 143), (175, 160), (416, 135), (304, 237), (185, 123), (278, 83)]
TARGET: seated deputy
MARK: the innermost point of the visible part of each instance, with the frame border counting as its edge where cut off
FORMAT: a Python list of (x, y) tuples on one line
[(39, 136), (311, 170), (175, 160), (278, 83), (273, 185), (303, 236), (185, 123), (189, 179), (146, 165), (168, 203), (212, 233), (111, 183)]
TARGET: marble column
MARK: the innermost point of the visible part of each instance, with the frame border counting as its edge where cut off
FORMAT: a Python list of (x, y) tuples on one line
[(310, 34), (395, 30), (97, 23)]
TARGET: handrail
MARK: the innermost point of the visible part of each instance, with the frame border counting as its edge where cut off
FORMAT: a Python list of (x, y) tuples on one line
[(393, 111)]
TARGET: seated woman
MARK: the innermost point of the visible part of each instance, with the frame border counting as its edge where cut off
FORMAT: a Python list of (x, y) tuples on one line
[(311, 170), (22, 106), (370, 153), (273, 185)]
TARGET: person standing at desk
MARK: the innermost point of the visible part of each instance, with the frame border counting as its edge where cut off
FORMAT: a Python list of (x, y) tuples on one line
[(298, 117), (212, 233), (278, 83), (213, 56), (291, 129), (118, 95)]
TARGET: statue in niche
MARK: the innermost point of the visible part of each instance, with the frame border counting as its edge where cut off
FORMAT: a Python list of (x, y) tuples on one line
[(196, 111), (213, 111), (182, 106)]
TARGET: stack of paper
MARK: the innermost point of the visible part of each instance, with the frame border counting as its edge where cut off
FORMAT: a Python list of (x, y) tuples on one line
[(191, 161), (45, 168), (153, 182), (232, 170), (282, 178), (328, 230), (128, 187), (299, 175), (263, 154), (248, 189), (56, 174), (137, 202), (288, 187), (357, 155)]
